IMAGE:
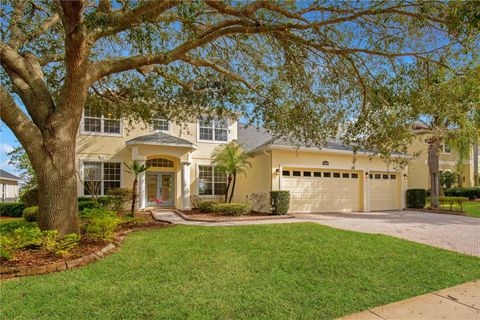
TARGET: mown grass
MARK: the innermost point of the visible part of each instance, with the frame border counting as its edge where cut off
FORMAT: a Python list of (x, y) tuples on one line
[(300, 271), (4, 220), (472, 208)]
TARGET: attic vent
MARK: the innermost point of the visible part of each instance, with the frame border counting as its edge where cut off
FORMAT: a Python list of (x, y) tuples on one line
[(159, 162)]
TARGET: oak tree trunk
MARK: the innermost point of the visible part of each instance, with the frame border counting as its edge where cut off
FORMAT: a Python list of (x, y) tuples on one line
[(434, 171), (57, 182)]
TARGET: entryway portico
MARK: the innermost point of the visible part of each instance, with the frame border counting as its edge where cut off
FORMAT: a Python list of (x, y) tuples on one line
[(166, 183)]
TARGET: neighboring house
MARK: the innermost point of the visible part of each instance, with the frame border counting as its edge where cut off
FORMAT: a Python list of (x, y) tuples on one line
[(9, 187), (418, 171), (179, 162)]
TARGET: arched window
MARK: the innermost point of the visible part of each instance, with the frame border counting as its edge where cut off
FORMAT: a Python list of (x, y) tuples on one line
[(160, 162)]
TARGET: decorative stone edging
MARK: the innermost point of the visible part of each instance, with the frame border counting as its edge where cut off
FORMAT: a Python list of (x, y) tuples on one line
[(453, 213), (14, 272), (270, 217)]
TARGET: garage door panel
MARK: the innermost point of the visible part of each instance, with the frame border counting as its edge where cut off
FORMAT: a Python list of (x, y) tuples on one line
[(323, 194), (384, 192)]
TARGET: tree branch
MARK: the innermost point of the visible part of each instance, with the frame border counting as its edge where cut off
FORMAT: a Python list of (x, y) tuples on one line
[(16, 34)]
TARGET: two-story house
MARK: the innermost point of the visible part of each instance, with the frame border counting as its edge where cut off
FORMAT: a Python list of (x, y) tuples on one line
[(179, 166)]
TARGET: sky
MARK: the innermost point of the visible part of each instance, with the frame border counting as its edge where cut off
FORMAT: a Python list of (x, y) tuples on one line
[(8, 141)]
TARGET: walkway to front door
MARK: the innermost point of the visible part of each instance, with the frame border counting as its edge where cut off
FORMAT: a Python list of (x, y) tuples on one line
[(159, 187)]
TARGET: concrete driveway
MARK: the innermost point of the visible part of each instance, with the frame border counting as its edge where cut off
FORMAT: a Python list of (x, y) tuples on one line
[(457, 233)]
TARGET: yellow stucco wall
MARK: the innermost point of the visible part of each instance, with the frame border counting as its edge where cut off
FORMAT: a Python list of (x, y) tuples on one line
[(418, 176), (257, 179)]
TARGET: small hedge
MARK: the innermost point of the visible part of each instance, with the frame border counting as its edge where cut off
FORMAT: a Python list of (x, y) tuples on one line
[(416, 198), (234, 208), (88, 204), (30, 214), (280, 201), (11, 209), (451, 201), (207, 206), (469, 192)]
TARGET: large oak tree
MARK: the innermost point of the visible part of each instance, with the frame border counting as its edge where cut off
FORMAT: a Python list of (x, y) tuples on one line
[(301, 69)]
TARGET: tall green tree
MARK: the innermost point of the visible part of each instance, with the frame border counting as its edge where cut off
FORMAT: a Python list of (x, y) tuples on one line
[(19, 159), (299, 68), (232, 160), (136, 168)]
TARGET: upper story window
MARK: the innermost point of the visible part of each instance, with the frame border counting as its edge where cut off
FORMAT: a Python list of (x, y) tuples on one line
[(96, 122), (160, 125), (213, 130)]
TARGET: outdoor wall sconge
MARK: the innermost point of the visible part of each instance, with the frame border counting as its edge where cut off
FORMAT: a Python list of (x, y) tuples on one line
[(277, 172), (405, 176), (326, 163), (366, 175)]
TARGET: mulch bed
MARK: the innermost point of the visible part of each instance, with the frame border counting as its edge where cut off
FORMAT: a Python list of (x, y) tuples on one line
[(196, 215), (30, 262)]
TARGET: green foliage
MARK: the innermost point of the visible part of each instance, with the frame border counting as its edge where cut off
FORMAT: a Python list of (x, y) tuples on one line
[(13, 209), (30, 214), (19, 159), (469, 192), (452, 202), (280, 201), (207, 206), (31, 197), (447, 178), (100, 223), (118, 198), (233, 208), (416, 198), (9, 227), (82, 205), (59, 245)]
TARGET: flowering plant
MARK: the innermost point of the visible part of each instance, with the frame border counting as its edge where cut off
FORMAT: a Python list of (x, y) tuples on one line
[(158, 201)]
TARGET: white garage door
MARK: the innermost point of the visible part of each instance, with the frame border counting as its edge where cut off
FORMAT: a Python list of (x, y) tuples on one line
[(383, 191), (322, 191)]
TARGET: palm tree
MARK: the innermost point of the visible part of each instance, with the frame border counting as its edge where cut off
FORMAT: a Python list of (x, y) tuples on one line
[(462, 145), (135, 168), (476, 123), (232, 160)]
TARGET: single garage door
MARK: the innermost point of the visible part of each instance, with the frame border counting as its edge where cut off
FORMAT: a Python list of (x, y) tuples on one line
[(322, 191), (383, 191)]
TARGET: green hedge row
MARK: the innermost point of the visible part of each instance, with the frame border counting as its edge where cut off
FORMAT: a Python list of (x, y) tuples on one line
[(11, 209), (469, 192), (234, 208)]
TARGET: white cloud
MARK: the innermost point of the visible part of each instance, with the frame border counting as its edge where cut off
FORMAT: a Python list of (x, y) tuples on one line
[(5, 147)]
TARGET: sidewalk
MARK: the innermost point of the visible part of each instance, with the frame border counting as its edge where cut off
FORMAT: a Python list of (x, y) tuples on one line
[(455, 303)]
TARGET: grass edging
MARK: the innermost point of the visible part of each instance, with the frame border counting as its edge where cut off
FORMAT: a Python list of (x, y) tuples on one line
[(440, 211), (247, 218)]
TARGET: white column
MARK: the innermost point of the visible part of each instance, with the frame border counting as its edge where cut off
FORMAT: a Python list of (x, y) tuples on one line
[(186, 185), (141, 188)]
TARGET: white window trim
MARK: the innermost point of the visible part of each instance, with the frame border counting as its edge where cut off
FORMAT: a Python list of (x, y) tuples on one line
[(82, 175), (213, 128), (197, 177), (105, 134), (166, 131)]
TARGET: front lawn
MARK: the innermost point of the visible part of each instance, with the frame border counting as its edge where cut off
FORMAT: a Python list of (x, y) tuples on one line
[(283, 271), (472, 208)]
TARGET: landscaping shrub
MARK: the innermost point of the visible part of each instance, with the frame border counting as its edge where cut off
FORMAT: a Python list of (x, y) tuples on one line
[(416, 198), (31, 198), (102, 200), (280, 201), (88, 204), (119, 198), (207, 206), (100, 223), (59, 245), (30, 214), (469, 192), (234, 208), (451, 201), (259, 201), (11, 209)]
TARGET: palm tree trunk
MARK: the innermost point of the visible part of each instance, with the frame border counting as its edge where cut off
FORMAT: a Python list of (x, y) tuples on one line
[(475, 163), (229, 180), (434, 171), (134, 195), (233, 187)]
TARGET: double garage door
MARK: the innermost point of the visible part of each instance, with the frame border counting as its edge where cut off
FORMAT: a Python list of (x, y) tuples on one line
[(338, 191)]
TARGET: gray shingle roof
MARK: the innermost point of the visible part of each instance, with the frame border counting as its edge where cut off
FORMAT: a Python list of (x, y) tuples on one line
[(161, 139), (7, 175), (251, 138)]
